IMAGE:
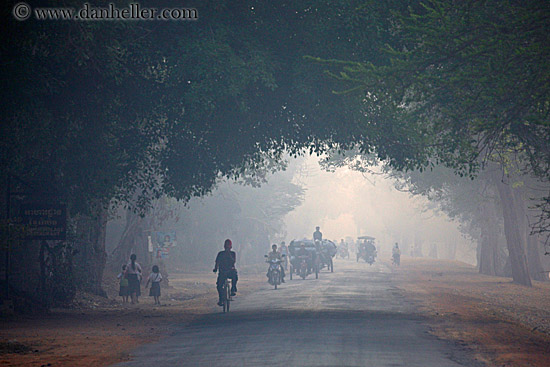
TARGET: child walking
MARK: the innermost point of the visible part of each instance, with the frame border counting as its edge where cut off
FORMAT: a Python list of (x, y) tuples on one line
[(155, 278), (124, 291)]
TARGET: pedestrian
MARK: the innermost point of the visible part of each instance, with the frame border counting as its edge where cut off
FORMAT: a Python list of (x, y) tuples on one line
[(123, 282), (133, 273), (154, 278), (283, 250)]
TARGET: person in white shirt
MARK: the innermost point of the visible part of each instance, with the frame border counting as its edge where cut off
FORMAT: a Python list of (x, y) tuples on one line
[(154, 278)]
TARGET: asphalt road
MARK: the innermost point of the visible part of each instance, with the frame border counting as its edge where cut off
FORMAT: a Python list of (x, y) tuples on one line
[(352, 317)]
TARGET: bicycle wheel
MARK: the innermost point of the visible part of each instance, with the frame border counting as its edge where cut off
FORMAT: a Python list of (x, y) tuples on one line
[(224, 297), (224, 301), (227, 295)]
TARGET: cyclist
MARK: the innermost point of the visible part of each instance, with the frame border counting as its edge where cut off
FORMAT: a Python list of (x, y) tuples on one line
[(225, 263)]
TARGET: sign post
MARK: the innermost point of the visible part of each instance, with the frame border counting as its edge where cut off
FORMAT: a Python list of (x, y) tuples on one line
[(44, 220)]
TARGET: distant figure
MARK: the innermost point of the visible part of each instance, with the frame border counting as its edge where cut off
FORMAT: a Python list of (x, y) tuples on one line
[(343, 249), (123, 283), (225, 263), (133, 273), (396, 254), (154, 278), (283, 250), (317, 235)]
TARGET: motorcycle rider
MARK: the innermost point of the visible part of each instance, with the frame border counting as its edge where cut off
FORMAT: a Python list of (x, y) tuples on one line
[(274, 254), (302, 252), (344, 252), (320, 255), (370, 250), (225, 263)]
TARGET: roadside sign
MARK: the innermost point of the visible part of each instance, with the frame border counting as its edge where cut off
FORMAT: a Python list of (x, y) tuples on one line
[(166, 239), (43, 221)]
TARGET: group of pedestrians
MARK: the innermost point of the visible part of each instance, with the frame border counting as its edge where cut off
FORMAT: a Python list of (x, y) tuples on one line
[(130, 282)]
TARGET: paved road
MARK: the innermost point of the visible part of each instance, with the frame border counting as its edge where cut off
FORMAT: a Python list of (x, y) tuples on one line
[(352, 317)]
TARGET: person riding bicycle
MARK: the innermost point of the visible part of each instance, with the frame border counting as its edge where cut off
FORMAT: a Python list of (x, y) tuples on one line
[(225, 263), (276, 255), (317, 235)]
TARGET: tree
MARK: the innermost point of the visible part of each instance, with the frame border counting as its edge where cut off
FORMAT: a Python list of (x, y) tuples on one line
[(124, 112), (465, 81)]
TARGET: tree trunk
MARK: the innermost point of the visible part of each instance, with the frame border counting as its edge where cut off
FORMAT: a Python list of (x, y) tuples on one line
[(130, 237), (536, 269), (100, 256), (417, 249), (450, 245), (486, 258), (489, 250), (92, 257), (513, 233), (534, 263)]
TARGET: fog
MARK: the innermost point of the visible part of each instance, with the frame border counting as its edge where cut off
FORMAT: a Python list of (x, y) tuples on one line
[(288, 205), (347, 203)]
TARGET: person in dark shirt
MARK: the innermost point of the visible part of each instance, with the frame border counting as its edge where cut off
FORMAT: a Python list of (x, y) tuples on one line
[(317, 235), (225, 266)]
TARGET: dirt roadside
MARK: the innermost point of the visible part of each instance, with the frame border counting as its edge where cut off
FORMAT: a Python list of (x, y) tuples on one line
[(100, 332), (502, 323)]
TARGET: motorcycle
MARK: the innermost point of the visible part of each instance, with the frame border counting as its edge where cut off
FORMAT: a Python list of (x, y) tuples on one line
[(303, 271), (343, 252), (274, 272), (371, 256)]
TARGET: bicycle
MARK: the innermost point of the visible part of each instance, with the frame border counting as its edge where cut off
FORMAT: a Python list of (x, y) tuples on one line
[(226, 295)]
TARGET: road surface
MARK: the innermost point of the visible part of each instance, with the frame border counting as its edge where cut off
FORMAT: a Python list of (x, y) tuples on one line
[(352, 317)]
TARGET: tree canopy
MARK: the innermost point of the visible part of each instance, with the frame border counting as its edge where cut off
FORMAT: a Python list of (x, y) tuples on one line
[(105, 110), (115, 108), (463, 83)]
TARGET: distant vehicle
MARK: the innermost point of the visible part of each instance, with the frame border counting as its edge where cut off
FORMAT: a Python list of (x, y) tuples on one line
[(366, 249), (326, 250), (303, 265), (343, 251)]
